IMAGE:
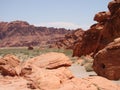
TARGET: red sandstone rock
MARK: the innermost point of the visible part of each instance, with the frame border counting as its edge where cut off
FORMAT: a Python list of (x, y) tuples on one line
[(50, 60), (20, 33), (102, 16), (107, 61), (102, 33), (113, 6), (35, 76), (89, 41), (30, 48), (48, 79), (8, 64), (70, 39), (47, 71)]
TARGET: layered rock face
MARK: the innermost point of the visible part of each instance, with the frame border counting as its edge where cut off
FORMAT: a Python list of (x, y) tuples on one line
[(88, 43), (101, 33), (107, 61), (70, 39), (8, 65), (49, 72), (97, 39), (20, 33)]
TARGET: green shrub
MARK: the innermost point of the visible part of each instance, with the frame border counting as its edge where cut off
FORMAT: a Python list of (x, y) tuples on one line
[(88, 67)]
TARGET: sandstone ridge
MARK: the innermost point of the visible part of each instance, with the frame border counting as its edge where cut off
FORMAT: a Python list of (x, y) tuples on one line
[(47, 72), (21, 33)]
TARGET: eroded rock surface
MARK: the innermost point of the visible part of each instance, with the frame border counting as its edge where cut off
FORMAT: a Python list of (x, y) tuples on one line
[(107, 61), (8, 65), (50, 60), (20, 33), (101, 33), (50, 72), (70, 39)]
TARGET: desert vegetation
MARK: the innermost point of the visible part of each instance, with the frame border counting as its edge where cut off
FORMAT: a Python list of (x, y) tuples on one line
[(23, 53)]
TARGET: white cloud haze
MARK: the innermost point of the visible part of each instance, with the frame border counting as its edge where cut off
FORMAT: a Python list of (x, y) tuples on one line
[(66, 25)]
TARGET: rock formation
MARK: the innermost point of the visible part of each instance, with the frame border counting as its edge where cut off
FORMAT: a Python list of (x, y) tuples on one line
[(49, 72), (88, 43), (20, 33), (96, 41), (8, 65), (70, 39), (101, 33), (107, 61), (50, 61)]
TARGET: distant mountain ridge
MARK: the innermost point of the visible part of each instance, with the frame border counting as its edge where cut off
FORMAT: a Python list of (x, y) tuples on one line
[(21, 33)]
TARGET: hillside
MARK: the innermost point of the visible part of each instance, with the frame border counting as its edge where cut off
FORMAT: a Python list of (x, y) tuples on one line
[(70, 39), (21, 33)]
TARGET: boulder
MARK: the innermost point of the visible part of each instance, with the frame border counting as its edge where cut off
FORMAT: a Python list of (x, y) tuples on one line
[(48, 79), (50, 60), (30, 48), (47, 71), (107, 61), (8, 64), (62, 79)]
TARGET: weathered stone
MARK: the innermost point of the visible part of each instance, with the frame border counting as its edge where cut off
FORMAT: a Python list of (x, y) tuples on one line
[(50, 60), (114, 6), (107, 61), (20, 33), (89, 41), (70, 39), (102, 33), (33, 76), (49, 79), (8, 64), (30, 48), (102, 16), (47, 71)]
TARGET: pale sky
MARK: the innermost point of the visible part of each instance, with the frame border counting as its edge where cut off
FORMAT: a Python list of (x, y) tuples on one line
[(70, 14)]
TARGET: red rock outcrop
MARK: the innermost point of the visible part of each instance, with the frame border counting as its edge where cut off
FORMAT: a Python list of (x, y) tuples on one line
[(40, 73), (107, 61), (20, 33), (47, 71), (102, 16), (70, 39), (50, 60), (8, 65), (102, 33)]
